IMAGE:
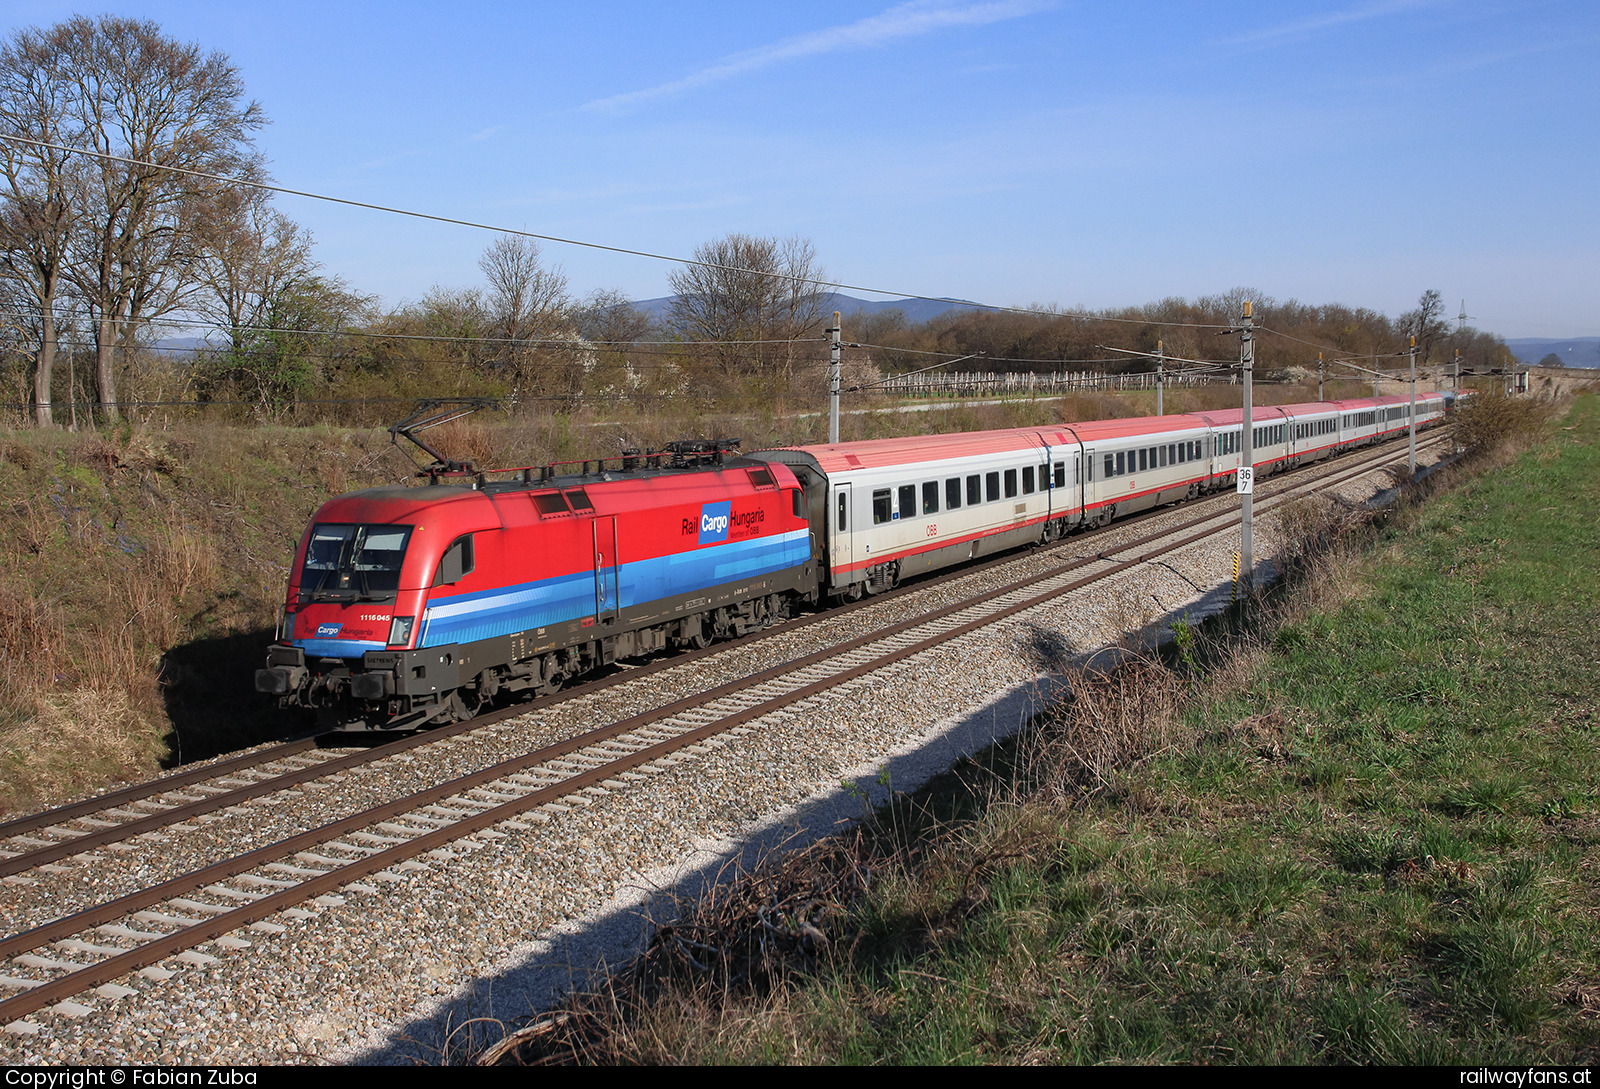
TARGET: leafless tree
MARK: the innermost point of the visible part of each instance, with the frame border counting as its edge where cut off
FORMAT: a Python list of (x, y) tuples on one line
[(756, 298), (528, 302), (1427, 322), (251, 254), (37, 212), (144, 97)]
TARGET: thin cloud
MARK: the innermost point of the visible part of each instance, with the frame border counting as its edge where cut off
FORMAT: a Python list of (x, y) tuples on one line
[(902, 21), (1303, 28)]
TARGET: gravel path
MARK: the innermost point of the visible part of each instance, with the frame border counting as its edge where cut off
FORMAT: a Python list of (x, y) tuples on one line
[(393, 966)]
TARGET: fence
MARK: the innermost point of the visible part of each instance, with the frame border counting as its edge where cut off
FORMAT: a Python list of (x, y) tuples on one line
[(979, 383)]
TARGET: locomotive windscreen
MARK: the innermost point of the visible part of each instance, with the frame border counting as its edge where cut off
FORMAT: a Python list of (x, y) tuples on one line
[(360, 560)]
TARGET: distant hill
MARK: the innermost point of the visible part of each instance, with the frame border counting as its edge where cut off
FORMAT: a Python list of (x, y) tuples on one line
[(915, 310), (1578, 352)]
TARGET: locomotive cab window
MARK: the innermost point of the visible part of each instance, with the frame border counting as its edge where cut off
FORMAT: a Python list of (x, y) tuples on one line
[(458, 562), (762, 478), (353, 562)]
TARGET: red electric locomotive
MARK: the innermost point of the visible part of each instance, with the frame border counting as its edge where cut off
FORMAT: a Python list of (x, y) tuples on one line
[(411, 605)]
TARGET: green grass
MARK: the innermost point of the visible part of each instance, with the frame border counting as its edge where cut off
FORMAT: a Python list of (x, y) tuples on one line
[(1375, 841)]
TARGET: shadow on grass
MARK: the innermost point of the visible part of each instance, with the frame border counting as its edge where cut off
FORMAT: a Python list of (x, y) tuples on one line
[(208, 686)]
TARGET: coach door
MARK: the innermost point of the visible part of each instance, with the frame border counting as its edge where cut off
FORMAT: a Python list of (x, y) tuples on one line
[(840, 554), (606, 605)]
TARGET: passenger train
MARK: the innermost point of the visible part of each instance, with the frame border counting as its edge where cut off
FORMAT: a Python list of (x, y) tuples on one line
[(409, 606)]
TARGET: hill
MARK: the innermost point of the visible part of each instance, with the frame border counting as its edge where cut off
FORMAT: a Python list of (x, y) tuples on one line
[(915, 310), (1577, 352)]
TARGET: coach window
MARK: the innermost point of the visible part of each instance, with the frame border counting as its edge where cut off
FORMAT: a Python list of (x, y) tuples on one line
[(930, 497), (974, 492), (1011, 483), (1144, 458), (1111, 466), (1027, 480), (952, 493), (1061, 474), (991, 486), (881, 507), (844, 523), (908, 500)]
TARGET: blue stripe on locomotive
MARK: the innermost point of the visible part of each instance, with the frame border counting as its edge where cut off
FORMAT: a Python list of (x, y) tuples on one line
[(487, 613)]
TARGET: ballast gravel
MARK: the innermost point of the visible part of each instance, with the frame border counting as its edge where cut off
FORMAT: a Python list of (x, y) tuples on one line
[(392, 967)]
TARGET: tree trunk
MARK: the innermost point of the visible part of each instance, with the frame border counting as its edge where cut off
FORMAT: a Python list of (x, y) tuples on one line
[(105, 366), (44, 368)]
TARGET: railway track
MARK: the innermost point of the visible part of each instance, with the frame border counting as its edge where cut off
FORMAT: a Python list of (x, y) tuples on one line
[(139, 930)]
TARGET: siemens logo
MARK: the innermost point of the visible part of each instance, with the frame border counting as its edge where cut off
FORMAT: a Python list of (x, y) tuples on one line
[(714, 519)]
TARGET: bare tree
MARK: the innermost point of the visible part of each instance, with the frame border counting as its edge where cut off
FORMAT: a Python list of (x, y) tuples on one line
[(528, 302), (37, 212), (755, 298), (1427, 322), (251, 255), (140, 96)]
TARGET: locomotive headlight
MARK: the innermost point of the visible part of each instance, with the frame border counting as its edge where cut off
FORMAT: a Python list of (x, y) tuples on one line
[(400, 630)]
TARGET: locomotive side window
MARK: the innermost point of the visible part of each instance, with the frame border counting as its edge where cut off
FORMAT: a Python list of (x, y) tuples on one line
[(991, 486), (952, 493), (551, 503), (881, 508), (974, 493), (579, 499), (458, 562), (930, 497), (908, 500)]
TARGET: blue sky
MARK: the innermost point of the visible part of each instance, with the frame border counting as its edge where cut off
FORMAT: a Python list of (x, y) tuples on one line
[(1008, 151)]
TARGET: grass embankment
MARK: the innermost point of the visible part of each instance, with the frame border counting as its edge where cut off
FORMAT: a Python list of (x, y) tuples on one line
[(1371, 835)]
